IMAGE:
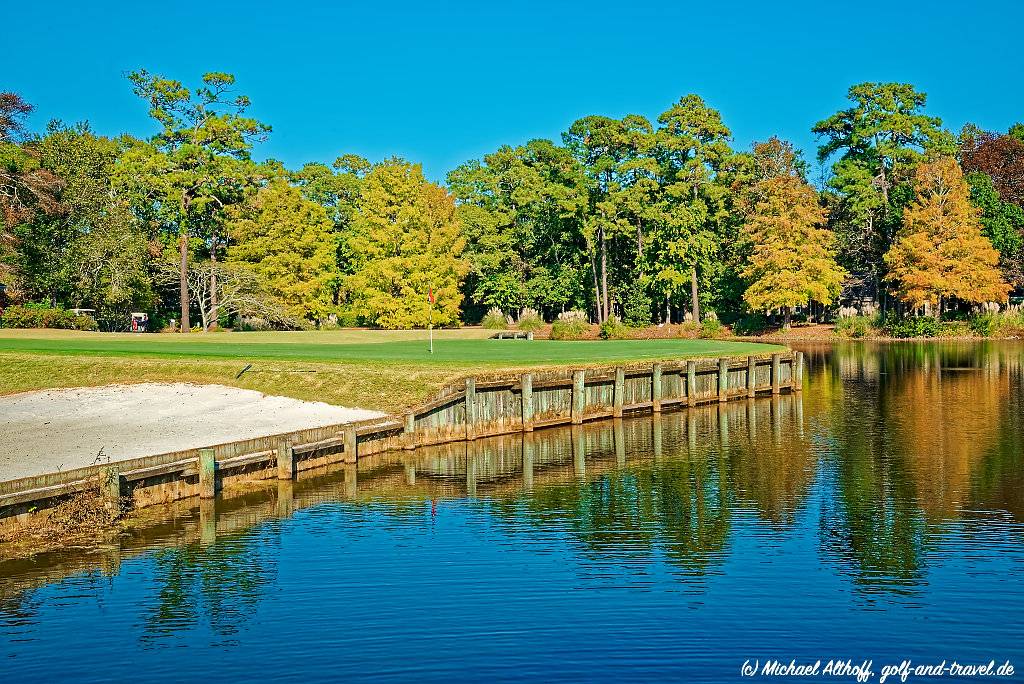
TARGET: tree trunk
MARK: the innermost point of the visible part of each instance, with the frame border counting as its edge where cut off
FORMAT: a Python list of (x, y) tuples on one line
[(787, 321), (597, 286), (213, 284), (604, 274), (693, 295), (183, 274)]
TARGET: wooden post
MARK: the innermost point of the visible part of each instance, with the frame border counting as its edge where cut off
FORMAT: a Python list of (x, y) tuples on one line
[(776, 374), (723, 380), (656, 388), (285, 462), (207, 474), (618, 391), (751, 376), (691, 383), (351, 445), (527, 397), (110, 488), (470, 408), (579, 396), (410, 431), (798, 372)]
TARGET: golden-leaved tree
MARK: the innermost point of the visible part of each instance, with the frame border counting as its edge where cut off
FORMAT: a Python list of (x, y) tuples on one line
[(940, 252), (791, 256), (405, 242), (288, 242)]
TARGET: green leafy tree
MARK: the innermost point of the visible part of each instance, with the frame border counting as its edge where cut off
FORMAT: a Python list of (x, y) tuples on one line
[(198, 164), (288, 242), (405, 244), (520, 210), (692, 149), (1002, 223), (878, 140)]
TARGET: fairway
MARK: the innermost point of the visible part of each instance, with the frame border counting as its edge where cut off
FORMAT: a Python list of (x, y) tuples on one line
[(382, 370), (448, 349)]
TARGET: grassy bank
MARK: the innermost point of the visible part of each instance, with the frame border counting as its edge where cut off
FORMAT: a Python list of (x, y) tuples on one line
[(369, 369)]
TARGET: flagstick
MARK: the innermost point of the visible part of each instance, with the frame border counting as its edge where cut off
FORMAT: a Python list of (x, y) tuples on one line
[(430, 318)]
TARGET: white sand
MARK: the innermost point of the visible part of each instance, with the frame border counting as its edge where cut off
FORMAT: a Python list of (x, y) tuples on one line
[(51, 430)]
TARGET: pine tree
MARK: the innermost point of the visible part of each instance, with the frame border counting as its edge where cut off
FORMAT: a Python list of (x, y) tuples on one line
[(940, 252), (792, 258), (288, 241), (406, 243)]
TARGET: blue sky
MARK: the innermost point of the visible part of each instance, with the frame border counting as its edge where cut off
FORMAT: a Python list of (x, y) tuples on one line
[(443, 82)]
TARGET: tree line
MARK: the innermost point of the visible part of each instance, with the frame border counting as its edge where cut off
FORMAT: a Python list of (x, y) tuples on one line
[(638, 220)]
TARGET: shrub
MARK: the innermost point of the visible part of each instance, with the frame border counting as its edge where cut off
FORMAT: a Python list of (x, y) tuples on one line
[(613, 329), (985, 324), (569, 329), (574, 315), (530, 320), (42, 316), (494, 320), (856, 326), (711, 328), (85, 322), (910, 326)]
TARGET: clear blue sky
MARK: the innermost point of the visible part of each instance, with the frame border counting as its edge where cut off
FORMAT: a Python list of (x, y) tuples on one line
[(442, 82)]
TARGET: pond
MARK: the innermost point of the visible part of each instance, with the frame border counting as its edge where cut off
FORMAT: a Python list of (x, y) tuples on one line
[(878, 515)]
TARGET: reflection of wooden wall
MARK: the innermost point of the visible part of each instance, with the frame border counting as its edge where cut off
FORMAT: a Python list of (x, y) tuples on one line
[(498, 466), (477, 407)]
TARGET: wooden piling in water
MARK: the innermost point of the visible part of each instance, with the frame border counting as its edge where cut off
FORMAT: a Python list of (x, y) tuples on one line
[(798, 372), (776, 373), (207, 474), (526, 394), (618, 390), (409, 431), (691, 383), (351, 445), (656, 388), (723, 380), (470, 408), (110, 488), (579, 396), (751, 376), (285, 460)]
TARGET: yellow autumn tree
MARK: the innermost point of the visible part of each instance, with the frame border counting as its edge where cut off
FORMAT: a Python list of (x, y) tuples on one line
[(940, 252), (406, 242), (791, 258)]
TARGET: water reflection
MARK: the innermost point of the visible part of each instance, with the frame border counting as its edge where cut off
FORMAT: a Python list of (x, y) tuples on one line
[(895, 460)]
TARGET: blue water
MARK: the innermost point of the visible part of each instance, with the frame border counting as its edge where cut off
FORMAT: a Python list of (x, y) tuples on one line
[(876, 517)]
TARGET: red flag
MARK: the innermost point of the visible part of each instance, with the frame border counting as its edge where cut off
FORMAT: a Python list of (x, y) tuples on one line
[(430, 293)]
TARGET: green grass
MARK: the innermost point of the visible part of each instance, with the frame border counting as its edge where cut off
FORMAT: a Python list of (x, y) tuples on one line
[(371, 369)]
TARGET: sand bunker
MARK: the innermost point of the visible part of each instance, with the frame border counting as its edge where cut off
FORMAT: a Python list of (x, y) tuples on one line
[(51, 430)]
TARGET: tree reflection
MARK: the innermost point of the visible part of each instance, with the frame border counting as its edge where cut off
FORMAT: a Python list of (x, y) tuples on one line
[(220, 583)]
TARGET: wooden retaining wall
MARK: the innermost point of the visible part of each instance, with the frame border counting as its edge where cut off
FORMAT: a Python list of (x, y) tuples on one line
[(477, 407)]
